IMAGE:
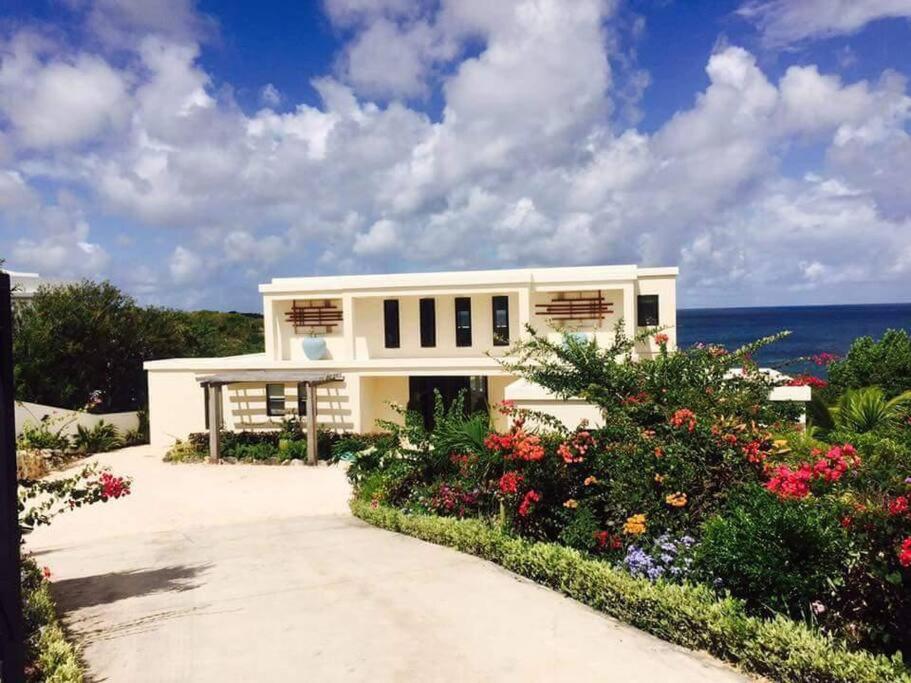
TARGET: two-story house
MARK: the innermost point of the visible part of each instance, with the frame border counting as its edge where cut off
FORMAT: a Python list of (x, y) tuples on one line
[(345, 347)]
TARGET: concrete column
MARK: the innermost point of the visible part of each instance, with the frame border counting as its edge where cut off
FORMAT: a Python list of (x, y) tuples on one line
[(269, 328), (629, 310), (524, 310), (214, 432), (348, 326), (312, 455)]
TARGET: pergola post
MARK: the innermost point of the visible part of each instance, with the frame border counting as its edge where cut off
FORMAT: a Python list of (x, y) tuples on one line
[(312, 455), (214, 426)]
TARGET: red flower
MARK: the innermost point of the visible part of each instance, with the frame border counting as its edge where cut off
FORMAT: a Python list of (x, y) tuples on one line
[(808, 381), (46, 573), (509, 483), (847, 522), (898, 506), (607, 540), (112, 486), (528, 501), (661, 339), (516, 444), (904, 554), (684, 417), (795, 483)]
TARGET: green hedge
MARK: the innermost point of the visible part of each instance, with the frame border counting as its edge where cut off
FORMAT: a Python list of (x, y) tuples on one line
[(51, 657), (691, 616)]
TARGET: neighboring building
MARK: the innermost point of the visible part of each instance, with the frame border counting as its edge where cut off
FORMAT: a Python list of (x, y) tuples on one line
[(373, 339), (24, 285)]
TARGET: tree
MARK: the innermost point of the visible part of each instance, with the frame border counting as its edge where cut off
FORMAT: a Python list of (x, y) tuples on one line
[(74, 340), (885, 363)]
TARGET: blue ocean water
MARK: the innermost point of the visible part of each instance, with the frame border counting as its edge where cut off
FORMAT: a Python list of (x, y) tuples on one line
[(814, 329)]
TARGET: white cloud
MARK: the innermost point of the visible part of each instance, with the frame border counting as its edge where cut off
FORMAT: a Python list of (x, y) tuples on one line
[(525, 164), (54, 102), (783, 22), (381, 237)]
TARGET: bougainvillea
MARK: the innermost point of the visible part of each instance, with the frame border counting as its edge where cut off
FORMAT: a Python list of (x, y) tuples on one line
[(796, 482), (574, 450), (684, 417), (528, 502), (904, 553), (510, 482), (808, 381), (517, 444)]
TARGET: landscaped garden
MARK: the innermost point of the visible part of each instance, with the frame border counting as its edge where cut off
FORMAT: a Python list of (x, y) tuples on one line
[(699, 510)]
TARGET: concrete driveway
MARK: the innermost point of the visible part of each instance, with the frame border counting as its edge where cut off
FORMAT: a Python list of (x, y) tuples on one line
[(243, 573)]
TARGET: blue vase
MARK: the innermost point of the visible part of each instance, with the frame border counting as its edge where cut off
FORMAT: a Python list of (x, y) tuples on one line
[(314, 348)]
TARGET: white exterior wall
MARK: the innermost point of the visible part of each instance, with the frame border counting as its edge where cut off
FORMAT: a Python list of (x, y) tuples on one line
[(375, 375)]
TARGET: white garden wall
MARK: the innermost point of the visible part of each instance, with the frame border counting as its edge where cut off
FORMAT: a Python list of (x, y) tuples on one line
[(32, 413)]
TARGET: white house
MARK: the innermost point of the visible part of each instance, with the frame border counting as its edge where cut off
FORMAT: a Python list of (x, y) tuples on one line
[(24, 285), (356, 343)]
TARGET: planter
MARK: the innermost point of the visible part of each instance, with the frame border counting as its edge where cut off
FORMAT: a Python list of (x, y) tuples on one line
[(314, 348)]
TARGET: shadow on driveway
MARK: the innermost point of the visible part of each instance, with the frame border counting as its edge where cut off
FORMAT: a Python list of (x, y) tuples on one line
[(102, 589)]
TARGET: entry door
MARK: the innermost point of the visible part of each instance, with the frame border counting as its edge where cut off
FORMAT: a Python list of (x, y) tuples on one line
[(421, 394)]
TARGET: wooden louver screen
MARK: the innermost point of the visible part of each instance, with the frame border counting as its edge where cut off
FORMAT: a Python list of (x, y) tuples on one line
[(313, 314), (577, 309)]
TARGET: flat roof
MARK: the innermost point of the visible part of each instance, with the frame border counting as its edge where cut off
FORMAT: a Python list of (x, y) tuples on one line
[(516, 276), (233, 376)]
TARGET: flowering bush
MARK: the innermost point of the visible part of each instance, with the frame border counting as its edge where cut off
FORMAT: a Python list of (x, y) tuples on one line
[(667, 558), (688, 446)]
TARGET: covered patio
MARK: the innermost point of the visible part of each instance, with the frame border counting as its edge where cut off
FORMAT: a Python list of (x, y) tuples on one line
[(307, 378)]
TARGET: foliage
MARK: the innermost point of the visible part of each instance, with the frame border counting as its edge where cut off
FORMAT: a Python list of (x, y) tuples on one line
[(866, 410), (49, 656), (689, 445), (885, 363), (45, 434), (287, 442), (185, 451), (779, 555), (688, 615), (100, 438), (76, 340)]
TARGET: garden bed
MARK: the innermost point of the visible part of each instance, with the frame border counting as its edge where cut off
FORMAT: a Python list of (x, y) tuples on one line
[(688, 615), (49, 655)]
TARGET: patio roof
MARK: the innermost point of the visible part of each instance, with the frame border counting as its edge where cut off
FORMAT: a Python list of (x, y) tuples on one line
[(313, 377)]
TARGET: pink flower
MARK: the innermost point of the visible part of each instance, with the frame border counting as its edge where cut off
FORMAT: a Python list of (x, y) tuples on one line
[(528, 501)]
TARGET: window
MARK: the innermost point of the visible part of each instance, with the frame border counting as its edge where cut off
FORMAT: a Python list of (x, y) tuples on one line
[(302, 399), (391, 321), (647, 310), (275, 400), (428, 323), (463, 321), (501, 321)]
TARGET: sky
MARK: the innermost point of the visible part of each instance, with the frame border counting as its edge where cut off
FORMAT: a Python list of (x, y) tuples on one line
[(190, 150)]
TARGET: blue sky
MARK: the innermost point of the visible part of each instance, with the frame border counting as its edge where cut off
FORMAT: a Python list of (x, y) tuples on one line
[(190, 150)]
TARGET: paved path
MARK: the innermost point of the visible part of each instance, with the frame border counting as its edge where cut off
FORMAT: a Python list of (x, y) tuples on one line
[(241, 573)]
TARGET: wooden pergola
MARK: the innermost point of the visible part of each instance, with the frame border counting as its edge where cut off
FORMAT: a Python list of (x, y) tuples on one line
[(311, 379)]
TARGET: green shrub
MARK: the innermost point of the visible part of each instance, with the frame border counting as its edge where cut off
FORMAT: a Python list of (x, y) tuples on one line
[(185, 451), (47, 433), (50, 657), (101, 438), (687, 615), (777, 555), (885, 363)]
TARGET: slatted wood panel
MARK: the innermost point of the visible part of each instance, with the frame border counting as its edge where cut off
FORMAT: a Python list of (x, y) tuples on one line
[(314, 314), (576, 309)]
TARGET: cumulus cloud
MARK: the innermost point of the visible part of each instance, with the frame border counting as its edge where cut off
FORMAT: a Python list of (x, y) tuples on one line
[(783, 22), (525, 164)]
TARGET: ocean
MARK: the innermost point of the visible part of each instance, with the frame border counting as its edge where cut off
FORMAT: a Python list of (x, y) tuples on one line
[(814, 329)]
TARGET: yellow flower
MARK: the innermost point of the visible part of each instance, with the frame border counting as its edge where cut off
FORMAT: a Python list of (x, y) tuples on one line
[(635, 525), (572, 504), (677, 500), (590, 480), (659, 478)]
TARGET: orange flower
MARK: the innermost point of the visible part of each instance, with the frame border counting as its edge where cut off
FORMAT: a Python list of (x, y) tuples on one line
[(572, 504), (635, 525), (590, 480), (677, 500)]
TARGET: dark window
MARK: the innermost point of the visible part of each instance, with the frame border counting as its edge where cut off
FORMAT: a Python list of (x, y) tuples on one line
[(275, 400), (391, 321), (647, 310), (422, 396), (428, 322), (501, 321), (463, 321), (302, 399)]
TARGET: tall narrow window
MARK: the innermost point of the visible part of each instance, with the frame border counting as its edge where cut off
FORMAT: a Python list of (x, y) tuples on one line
[(275, 400), (391, 321), (302, 399), (428, 322), (500, 320), (463, 321), (647, 310)]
